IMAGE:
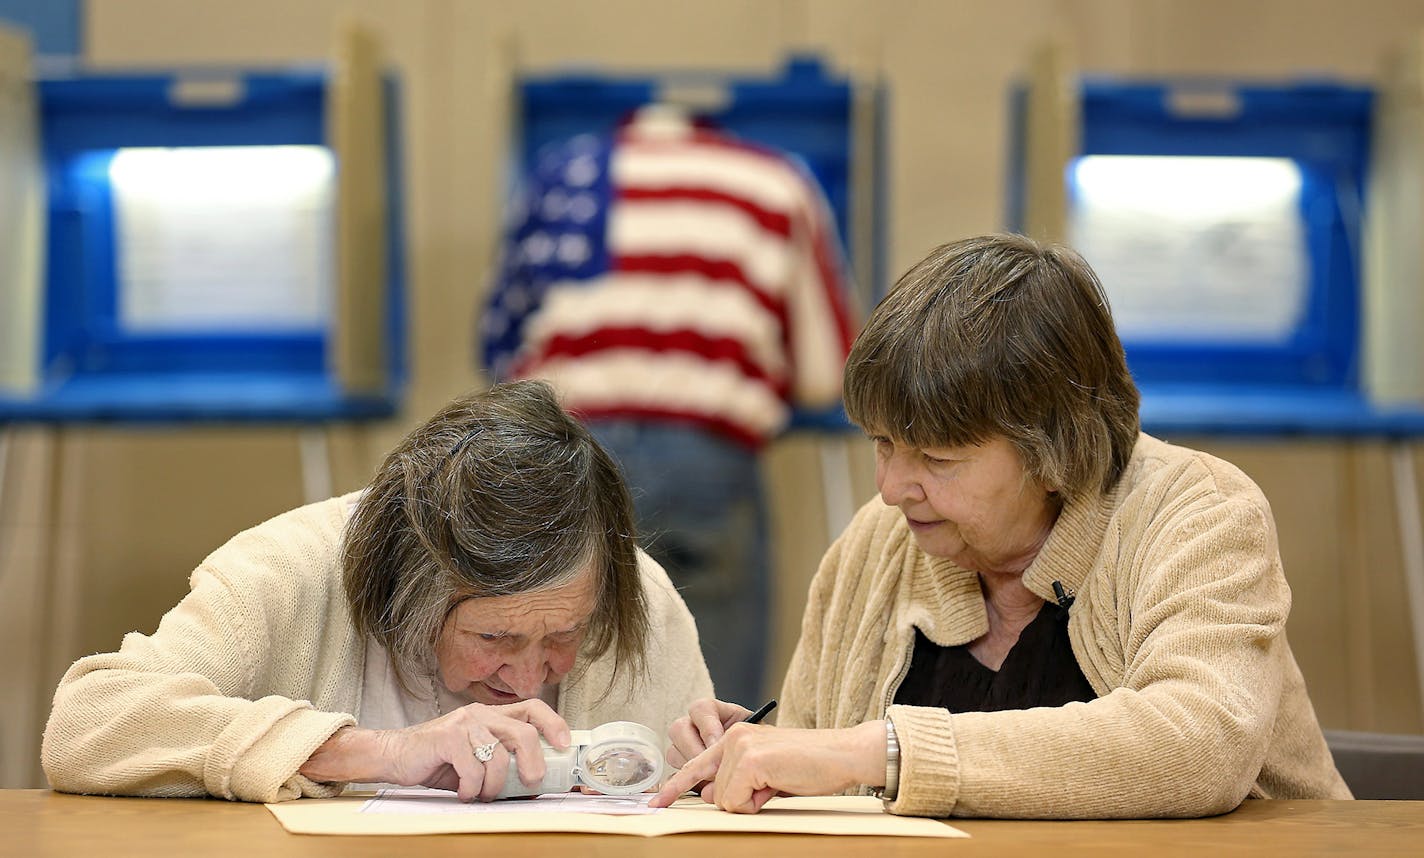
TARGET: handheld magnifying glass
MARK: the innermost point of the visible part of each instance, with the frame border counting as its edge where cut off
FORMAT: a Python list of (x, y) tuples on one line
[(617, 758)]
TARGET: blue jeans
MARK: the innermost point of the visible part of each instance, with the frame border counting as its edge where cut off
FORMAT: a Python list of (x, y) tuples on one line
[(701, 515)]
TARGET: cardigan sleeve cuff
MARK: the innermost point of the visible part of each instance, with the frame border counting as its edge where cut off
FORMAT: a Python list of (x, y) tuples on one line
[(260, 762), (929, 762)]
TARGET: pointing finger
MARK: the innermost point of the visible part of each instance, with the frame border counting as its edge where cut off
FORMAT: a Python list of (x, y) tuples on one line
[(702, 767)]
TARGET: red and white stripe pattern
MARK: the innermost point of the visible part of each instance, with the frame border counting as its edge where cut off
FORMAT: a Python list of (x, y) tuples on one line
[(724, 298)]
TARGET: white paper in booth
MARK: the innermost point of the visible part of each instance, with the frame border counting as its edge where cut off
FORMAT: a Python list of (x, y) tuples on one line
[(439, 812), (1195, 249), (224, 238)]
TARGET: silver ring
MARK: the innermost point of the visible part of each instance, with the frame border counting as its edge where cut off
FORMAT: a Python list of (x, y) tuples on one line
[(484, 753)]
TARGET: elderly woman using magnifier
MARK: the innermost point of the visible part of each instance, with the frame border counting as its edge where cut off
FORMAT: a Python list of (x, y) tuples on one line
[(1046, 613), (485, 590)]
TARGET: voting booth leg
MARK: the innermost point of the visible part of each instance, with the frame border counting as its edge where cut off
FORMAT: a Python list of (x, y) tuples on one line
[(838, 492), (316, 463), (1411, 539), (4, 454), (63, 593)]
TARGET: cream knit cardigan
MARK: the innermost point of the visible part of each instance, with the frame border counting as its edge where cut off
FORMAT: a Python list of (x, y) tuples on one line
[(1178, 624), (260, 664)]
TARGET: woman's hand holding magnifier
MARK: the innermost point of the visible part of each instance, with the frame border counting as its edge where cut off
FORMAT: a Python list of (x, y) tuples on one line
[(468, 751)]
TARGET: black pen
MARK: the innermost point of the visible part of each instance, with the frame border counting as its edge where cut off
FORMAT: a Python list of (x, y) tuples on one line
[(755, 717)]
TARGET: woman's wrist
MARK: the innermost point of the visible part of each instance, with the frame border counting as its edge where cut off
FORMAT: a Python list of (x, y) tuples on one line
[(351, 754), (870, 754)]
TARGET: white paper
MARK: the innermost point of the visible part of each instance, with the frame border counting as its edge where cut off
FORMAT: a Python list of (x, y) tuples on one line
[(224, 238), (824, 815), (417, 801), (1194, 249)]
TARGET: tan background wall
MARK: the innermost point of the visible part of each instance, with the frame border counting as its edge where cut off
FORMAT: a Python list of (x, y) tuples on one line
[(137, 509)]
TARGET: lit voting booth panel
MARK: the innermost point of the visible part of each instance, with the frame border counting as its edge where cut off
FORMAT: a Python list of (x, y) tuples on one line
[(1207, 259), (205, 245), (1230, 224)]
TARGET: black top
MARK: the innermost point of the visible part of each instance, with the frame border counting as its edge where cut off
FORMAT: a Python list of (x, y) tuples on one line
[(1039, 671)]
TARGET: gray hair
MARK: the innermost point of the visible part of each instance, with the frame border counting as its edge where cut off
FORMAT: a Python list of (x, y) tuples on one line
[(500, 493)]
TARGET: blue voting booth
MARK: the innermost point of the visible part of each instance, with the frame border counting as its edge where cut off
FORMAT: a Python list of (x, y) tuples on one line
[(1251, 274), (805, 111), (831, 123), (216, 245), (1246, 317)]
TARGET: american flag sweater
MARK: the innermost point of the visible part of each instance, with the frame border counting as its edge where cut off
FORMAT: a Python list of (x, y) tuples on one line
[(675, 273)]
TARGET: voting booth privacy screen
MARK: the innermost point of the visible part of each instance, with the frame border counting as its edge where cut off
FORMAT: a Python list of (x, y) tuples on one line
[(1226, 220), (197, 249), (825, 120), (805, 111), (1227, 234)]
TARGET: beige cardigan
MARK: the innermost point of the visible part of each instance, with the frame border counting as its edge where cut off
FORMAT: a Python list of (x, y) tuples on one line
[(1178, 624), (260, 664)]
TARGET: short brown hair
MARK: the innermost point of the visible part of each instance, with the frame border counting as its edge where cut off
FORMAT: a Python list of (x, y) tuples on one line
[(1001, 335), (500, 493)]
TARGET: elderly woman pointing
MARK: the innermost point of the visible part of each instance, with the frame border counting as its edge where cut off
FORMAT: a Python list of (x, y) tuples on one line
[(1046, 614), (485, 590)]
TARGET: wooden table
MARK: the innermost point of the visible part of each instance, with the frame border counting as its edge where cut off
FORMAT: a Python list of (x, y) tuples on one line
[(43, 823)]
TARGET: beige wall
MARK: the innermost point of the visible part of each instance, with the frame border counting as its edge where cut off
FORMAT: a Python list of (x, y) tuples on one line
[(138, 509)]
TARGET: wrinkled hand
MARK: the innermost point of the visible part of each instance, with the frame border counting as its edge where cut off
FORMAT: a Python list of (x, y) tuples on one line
[(753, 763), (705, 722), (440, 753)]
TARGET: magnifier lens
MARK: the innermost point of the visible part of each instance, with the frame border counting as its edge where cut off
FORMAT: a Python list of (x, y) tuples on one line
[(622, 758), (620, 766)]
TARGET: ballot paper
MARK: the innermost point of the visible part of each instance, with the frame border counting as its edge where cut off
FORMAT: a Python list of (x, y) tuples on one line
[(427, 801), (429, 812)]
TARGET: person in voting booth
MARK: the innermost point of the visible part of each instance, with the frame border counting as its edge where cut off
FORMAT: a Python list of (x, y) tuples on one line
[(683, 290), (1047, 613), (483, 591)]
